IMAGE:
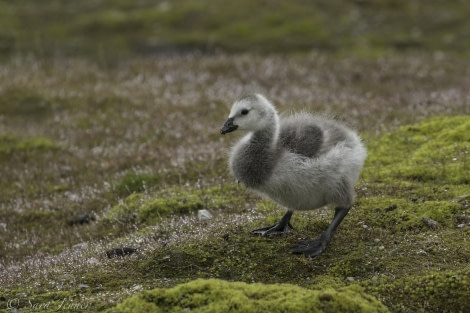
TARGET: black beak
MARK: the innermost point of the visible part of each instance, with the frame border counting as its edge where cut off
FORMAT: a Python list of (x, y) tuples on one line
[(228, 126)]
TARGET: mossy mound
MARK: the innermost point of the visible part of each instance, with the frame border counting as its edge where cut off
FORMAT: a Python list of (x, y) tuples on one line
[(142, 208), (441, 291), (436, 150), (402, 214), (419, 171), (215, 295), (145, 209)]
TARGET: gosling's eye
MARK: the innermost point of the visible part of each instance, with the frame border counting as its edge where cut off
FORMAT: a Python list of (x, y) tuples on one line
[(244, 112)]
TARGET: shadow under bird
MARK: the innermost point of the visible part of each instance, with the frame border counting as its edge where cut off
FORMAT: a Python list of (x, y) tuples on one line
[(302, 162)]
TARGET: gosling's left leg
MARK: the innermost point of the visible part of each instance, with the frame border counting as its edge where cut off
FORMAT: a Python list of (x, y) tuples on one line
[(312, 248), (280, 228)]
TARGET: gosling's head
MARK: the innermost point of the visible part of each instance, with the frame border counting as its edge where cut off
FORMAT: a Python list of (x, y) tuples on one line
[(251, 113)]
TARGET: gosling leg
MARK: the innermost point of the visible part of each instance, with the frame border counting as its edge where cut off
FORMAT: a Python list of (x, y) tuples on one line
[(312, 248), (280, 228)]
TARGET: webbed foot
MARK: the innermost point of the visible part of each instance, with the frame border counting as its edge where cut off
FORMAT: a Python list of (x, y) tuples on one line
[(278, 229), (310, 248), (281, 228)]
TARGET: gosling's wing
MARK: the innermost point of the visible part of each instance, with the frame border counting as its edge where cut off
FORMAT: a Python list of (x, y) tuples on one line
[(300, 138)]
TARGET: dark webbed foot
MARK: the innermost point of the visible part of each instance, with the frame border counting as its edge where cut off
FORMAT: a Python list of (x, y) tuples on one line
[(310, 248), (277, 229), (280, 228)]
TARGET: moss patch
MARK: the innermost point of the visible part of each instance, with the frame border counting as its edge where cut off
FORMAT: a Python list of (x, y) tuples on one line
[(221, 296), (133, 182), (442, 291), (437, 150), (143, 208), (402, 214), (10, 143)]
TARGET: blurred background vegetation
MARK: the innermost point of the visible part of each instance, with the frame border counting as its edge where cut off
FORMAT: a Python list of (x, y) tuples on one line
[(124, 28)]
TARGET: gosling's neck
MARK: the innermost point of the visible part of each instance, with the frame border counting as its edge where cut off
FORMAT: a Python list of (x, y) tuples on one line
[(258, 157), (268, 136)]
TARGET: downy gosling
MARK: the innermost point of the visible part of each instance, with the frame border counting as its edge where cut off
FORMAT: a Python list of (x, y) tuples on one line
[(302, 162)]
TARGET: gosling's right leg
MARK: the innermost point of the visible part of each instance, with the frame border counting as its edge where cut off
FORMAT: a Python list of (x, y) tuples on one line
[(313, 248), (280, 228)]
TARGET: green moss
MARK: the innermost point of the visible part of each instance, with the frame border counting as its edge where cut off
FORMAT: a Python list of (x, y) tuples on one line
[(128, 210), (148, 209), (418, 171), (437, 150), (144, 209), (11, 143), (180, 204), (402, 214), (442, 291), (133, 182), (221, 296)]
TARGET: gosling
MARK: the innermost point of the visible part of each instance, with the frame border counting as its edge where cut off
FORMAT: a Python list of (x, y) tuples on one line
[(302, 162)]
